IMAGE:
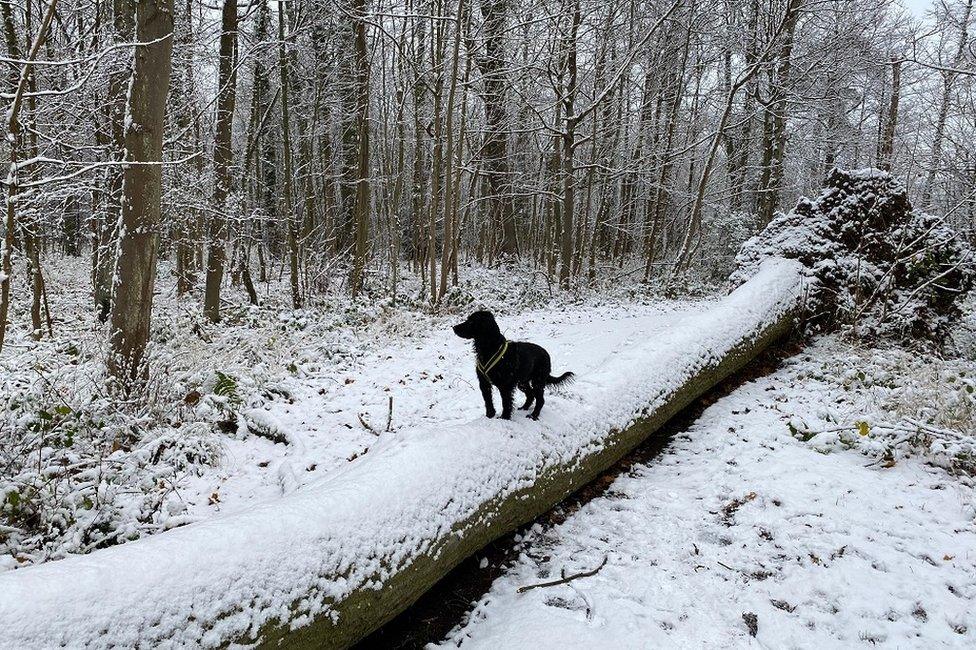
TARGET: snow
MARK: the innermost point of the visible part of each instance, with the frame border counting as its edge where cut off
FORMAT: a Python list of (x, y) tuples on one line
[(325, 373), (741, 521), (220, 579)]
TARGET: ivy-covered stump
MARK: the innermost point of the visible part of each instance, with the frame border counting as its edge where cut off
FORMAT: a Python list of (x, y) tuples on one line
[(884, 268)]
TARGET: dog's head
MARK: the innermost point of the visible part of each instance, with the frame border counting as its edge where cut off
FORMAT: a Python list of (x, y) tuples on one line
[(480, 324)]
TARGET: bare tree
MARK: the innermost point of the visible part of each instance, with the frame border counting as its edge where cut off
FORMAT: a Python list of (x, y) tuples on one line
[(14, 140), (135, 271), (223, 155)]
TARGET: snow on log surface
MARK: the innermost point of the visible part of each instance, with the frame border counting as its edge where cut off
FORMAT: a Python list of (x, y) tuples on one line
[(326, 565)]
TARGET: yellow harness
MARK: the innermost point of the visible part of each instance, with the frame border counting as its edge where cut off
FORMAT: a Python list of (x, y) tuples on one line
[(494, 360)]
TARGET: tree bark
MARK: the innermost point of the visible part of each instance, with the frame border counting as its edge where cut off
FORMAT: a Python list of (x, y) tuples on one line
[(135, 272), (296, 293), (887, 145), (223, 156), (494, 150), (449, 184), (14, 142), (123, 28), (771, 186), (436, 156), (361, 212), (569, 149)]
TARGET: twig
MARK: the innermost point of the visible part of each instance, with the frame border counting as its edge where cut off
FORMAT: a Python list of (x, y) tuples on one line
[(565, 578), (366, 424), (389, 417)]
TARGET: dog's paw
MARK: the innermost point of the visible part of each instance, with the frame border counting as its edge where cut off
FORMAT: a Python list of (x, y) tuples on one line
[(490, 414), (532, 416), (506, 416)]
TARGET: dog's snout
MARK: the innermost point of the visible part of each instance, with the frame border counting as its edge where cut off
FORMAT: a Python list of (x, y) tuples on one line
[(463, 330)]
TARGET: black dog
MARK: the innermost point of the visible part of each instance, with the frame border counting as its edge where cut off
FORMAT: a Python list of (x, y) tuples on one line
[(508, 364)]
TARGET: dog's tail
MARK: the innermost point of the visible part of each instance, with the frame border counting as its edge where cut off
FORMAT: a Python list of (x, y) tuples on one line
[(555, 381)]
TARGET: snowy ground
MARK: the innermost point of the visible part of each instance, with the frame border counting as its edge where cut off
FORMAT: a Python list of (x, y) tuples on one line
[(254, 408), (828, 503), (333, 417), (771, 517), (299, 556)]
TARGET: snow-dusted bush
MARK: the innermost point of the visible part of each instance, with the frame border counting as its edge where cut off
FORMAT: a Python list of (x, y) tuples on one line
[(884, 268), (80, 469), (889, 403)]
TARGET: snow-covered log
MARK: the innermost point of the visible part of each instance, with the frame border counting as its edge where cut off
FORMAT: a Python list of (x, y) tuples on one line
[(326, 565)]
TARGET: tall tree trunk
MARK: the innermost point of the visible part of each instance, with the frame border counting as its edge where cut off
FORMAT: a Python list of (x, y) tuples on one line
[(183, 105), (437, 154), (773, 173), (739, 165), (141, 188), (449, 185), (223, 155), (569, 148), (887, 145), (296, 293), (123, 28), (494, 150), (419, 171), (29, 227), (948, 82), (361, 212), (655, 208), (15, 142)]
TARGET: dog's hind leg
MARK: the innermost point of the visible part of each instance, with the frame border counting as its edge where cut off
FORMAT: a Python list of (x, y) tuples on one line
[(529, 397), (539, 390)]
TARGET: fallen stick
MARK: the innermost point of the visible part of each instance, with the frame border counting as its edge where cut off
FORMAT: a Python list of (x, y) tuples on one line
[(366, 425), (564, 579)]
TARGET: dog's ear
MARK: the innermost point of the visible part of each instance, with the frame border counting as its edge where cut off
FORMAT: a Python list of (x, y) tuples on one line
[(487, 323)]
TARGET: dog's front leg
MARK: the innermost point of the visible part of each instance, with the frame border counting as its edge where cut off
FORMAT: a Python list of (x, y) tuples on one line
[(507, 399), (485, 387)]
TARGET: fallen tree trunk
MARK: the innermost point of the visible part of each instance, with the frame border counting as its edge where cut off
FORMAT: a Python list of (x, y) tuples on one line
[(330, 563)]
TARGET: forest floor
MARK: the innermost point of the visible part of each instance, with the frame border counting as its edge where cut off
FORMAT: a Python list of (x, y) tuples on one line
[(257, 406), (830, 502), (792, 513)]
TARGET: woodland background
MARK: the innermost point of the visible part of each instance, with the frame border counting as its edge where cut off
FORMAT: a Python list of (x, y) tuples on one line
[(343, 145)]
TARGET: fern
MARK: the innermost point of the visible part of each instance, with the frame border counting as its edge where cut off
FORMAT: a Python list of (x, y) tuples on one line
[(226, 386)]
